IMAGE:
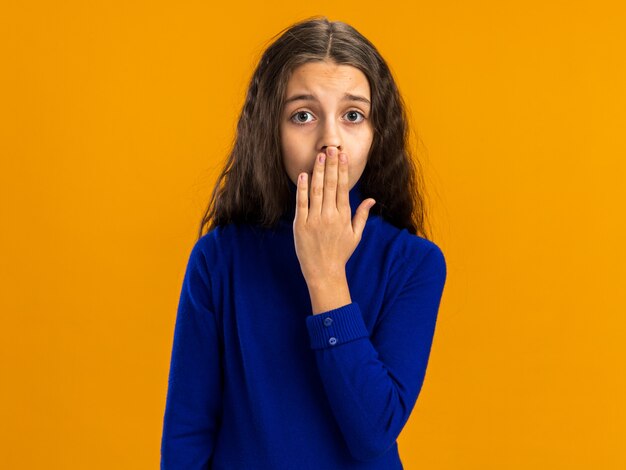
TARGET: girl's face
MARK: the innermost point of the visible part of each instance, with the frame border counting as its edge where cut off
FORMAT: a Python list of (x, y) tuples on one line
[(326, 105)]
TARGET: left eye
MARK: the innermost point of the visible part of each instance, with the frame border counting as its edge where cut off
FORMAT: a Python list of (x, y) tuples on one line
[(357, 114)]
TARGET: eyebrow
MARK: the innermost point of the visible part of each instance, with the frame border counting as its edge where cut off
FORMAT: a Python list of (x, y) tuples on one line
[(346, 97)]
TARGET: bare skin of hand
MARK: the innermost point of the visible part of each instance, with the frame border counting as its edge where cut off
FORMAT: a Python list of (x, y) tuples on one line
[(325, 234)]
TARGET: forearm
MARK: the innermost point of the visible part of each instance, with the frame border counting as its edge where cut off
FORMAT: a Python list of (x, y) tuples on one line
[(329, 294), (372, 377)]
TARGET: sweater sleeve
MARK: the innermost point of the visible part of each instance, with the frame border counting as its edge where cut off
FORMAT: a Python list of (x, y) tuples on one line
[(373, 381), (194, 397)]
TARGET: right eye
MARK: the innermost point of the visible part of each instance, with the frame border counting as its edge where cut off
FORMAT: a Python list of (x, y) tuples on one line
[(300, 114)]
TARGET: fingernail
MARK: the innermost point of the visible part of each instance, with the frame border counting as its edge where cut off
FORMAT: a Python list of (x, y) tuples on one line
[(342, 158), (322, 157), (332, 151)]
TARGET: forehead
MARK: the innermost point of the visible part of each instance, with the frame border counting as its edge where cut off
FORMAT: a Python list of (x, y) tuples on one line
[(327, 77)]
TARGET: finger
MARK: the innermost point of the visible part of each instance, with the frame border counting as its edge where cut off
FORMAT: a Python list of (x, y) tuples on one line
[(330, 181), (343, 181), (360, 218), (302, 200), (317, 185)]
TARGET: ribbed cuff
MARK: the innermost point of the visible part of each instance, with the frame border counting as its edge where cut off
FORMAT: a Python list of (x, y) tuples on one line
[(335, 327)]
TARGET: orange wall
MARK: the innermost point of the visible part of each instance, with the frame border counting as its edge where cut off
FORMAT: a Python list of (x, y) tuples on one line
[(115, 119)]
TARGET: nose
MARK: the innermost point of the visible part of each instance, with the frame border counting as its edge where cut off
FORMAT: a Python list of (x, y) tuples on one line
[(330, 136), (326, 146)]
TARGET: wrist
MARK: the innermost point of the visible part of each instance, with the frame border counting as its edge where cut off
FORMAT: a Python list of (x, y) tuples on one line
[(327, 279), (329, 294)]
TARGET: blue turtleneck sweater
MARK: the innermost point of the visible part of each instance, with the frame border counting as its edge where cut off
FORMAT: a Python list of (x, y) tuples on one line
[(258, 382)]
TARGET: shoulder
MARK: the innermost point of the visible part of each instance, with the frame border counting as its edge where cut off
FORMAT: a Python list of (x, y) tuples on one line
[(413, 252), (210, 249)]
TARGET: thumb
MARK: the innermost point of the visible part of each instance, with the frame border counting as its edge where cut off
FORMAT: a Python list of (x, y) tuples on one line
[(360, 218)]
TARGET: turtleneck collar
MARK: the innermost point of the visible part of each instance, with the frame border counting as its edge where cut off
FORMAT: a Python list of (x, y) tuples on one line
[(355, 196)]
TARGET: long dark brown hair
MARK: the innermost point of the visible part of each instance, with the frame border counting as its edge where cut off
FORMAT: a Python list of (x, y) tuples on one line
[(253, 187)]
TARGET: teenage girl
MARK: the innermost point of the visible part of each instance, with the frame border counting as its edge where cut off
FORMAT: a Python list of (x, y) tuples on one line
[(309, 303)]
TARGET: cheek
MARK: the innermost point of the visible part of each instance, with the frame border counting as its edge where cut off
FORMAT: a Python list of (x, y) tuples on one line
[(287, 146), (364, 142), (362, 151), (290, 155), (294, 159)]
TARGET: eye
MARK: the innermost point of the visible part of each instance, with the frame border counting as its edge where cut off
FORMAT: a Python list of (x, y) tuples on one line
[(353, 112), (300, 117), (297, 115)]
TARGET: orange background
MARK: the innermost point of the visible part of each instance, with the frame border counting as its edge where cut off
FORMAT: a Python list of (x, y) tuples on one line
[(116, 118)]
